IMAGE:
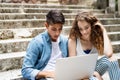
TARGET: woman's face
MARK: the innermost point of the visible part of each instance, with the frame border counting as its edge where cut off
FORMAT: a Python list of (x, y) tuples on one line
[(85, 29)]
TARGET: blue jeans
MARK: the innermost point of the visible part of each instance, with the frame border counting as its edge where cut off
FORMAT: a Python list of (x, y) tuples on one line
[(114, 70), (102, 65)]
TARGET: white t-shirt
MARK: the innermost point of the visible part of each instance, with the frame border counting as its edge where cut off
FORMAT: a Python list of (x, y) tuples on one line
[(56, 53)]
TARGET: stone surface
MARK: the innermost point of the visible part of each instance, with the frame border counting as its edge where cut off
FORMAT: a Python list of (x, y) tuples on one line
[(6, 34), (119, 7), (8, 46), (11, 61), (15, 16), (112, 5), (102, 4)]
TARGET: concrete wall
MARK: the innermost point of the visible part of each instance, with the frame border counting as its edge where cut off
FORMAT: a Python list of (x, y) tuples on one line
[(119, 7), (102, 4), (112, 4)]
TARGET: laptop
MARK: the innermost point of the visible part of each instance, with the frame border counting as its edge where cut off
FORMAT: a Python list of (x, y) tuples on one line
[(75, 68)]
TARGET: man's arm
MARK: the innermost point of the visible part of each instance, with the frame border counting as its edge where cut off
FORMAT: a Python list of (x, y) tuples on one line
[(30, 59)]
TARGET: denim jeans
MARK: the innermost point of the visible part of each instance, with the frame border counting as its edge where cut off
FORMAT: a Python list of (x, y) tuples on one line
[(114, 70), (102, 65)]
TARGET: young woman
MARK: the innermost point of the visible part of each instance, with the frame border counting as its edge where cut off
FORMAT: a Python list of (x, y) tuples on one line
[(88, 36)]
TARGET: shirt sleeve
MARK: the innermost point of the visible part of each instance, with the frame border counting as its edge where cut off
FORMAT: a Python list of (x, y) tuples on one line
[(31, 58)]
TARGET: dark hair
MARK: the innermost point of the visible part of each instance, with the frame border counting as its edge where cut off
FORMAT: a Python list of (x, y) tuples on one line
[(55, 16)]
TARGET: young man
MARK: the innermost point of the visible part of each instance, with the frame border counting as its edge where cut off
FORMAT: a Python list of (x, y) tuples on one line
[(45, 49)]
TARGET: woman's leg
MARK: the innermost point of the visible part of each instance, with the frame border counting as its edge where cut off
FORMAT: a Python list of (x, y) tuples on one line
[(114, 70), (102, 65)]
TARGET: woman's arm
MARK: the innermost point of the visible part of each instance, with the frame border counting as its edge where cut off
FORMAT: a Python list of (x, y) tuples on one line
[(72, 47), (108, 51)]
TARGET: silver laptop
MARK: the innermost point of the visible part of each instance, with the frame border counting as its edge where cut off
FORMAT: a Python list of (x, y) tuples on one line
[(75, 68)]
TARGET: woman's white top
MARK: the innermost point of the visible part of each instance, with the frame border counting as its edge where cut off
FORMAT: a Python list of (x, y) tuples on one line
[(80, 50)]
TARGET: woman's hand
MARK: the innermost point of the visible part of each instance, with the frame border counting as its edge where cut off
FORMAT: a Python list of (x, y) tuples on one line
[(97, 75), (101, 26)]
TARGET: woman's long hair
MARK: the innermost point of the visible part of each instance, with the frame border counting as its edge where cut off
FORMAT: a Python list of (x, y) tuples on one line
[(96, 36)]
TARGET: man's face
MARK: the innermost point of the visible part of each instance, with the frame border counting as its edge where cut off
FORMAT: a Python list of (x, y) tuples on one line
[(54, 30)]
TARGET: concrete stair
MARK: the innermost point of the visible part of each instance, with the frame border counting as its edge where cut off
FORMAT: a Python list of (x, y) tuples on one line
[(11, 75), (44, 6), (43, 10), (19, 23), (9, 16), (53, 1), (24, 23)]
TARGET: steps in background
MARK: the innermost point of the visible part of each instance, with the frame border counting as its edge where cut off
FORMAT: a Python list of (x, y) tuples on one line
[(19, 23), (9, 16)]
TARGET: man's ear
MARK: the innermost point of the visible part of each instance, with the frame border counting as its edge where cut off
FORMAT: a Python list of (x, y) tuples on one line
[(46, 24)]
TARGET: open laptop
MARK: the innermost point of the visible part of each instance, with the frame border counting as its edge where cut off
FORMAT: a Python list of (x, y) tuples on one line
[(75, 68)]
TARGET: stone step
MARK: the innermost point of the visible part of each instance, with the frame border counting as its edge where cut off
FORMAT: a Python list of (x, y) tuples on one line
[(11, 61), (112, 27), (5, 16), (44, 10), (108, 21), (103, 15), (14, 74), (18, 45), (114, 36), (13, 45), (18, 25), (20, 33), (17, 5), (14, 62), (52, 2), (116, 46), (32, 32), (28, 23)]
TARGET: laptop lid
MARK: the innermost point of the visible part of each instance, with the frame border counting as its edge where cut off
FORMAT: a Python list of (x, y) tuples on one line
[(75, 68)]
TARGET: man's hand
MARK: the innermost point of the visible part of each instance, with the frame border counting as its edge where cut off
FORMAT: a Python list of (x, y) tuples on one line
[(84, 79), (45, 74)]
